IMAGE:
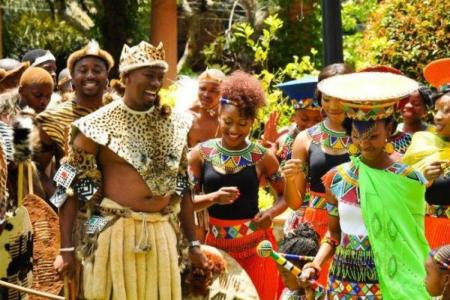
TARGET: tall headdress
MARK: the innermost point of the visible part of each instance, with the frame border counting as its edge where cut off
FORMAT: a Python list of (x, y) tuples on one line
[(91, 49), (368, 95), (302, 92), (142, 55), (437, 73)]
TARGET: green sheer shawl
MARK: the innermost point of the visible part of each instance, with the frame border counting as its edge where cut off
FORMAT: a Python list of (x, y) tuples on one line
[(393, 209)]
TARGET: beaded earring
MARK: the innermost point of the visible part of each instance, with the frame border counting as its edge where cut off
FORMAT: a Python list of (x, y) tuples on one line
[(353, 150), (389, 148)]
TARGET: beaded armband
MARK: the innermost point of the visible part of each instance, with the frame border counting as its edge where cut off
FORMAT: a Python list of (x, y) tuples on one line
[(183, 184), (304, 168), (330, 241), (78, 176), (196, 183), (332, 209), (275, 177)]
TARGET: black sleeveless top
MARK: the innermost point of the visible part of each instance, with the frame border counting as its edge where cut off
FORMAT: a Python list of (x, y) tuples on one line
[(320, 163), (246, 180)]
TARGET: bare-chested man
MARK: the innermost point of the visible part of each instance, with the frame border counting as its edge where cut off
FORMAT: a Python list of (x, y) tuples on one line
[(205, 125), (130, 155)]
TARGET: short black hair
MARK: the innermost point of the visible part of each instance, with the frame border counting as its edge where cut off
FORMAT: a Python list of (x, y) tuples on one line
[(32, 55), (304, 240)]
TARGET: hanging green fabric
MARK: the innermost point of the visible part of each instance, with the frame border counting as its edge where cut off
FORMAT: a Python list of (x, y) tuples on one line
[(393, 208)]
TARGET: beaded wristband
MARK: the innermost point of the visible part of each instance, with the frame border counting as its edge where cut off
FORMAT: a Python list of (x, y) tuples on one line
[(330, 241)]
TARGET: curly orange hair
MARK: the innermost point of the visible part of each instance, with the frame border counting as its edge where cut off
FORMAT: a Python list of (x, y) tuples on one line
[(245, 92)]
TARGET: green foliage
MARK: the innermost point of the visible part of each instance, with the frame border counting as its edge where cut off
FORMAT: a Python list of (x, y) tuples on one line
[(302, 31), (241, 48), (32, 30), (407, 35), (355, 14)]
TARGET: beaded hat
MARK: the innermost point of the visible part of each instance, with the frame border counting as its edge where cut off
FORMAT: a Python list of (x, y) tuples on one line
[(368, 95), (302, 92), (437, 73), (91, 49), (142, 55)]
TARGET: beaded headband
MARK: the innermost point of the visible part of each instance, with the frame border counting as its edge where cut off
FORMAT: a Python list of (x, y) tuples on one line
[(439, 260)]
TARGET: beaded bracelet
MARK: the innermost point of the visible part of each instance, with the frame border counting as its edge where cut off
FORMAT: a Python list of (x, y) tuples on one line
[(330, 241)]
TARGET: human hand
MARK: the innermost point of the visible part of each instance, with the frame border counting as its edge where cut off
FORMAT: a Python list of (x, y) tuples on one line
[(270, 128), (308, 273), (292, 168), (435, 169), (197, 258), (263, 220), (64, 264), (226, 195)]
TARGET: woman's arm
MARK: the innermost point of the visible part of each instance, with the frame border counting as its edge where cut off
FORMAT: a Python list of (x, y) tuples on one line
[(329, 242), (225, 195), (271, 170), (294, 172)]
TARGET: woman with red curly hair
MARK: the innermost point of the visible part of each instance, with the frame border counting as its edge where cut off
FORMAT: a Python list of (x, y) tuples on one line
[(227, 171)]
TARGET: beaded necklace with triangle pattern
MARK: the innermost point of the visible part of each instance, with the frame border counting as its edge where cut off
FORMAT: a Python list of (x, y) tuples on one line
[(329, 139), (229, 160)]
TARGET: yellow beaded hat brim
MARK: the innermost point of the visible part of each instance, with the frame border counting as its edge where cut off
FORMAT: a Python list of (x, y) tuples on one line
[(368, 95)]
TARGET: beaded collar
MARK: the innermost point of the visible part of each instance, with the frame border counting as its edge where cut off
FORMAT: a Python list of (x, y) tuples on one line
[(231, 161), (335, 141)]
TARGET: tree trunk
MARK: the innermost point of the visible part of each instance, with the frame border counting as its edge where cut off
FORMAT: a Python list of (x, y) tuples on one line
[(164, 29), (115, 27)]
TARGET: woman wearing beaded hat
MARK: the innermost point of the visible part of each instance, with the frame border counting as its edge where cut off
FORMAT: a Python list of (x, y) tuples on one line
[(430, 153), (375, 205), (315, 151), (228, 171), (306, 112)]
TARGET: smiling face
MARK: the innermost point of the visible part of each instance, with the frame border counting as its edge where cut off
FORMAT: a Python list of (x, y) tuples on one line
[(371, 139), (414, 109), (142, 86), (234, 127), (90, 77), (333, 109), (442, 116), (306, 118), (208, 94), (36, 95)]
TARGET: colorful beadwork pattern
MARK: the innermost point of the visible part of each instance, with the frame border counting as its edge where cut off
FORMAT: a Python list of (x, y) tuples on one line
[(233, 232), (401, 141), (329, 139), (228, 160), (345, 181)]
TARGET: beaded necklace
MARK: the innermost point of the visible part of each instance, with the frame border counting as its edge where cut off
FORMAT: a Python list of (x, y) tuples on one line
[(335, 141), (231, 161)]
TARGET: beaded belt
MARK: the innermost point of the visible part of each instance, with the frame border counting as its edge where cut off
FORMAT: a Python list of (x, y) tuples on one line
[(234, 231)]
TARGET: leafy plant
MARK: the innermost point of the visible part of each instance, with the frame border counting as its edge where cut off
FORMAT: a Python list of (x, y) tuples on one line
[(407, 35), (31, 30)]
